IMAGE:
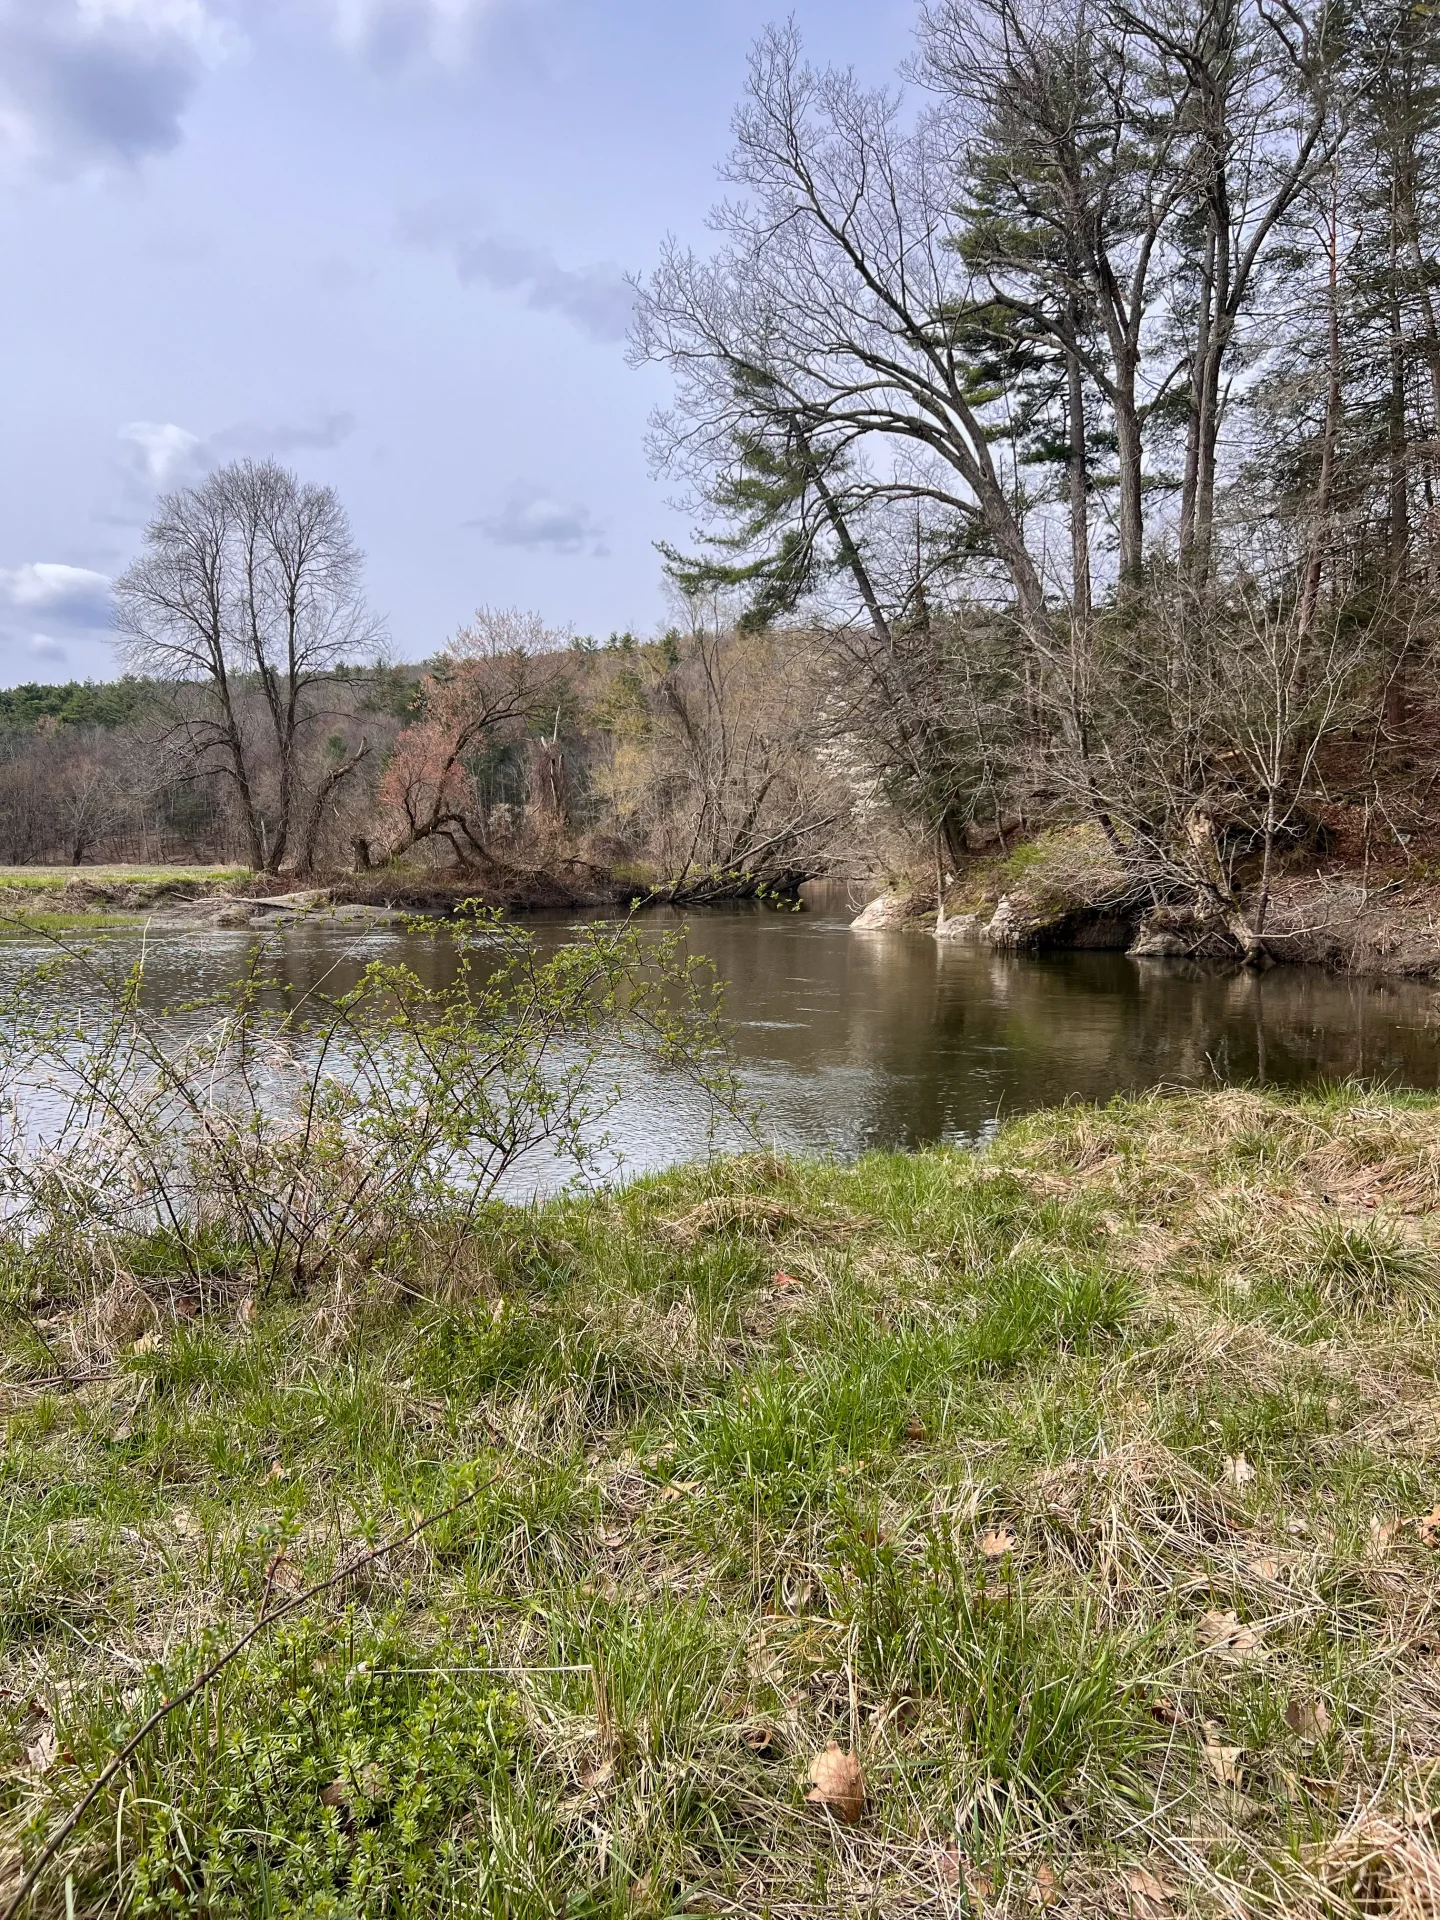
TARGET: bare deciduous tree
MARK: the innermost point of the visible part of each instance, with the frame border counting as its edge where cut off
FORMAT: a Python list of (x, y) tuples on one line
[(249, 595)]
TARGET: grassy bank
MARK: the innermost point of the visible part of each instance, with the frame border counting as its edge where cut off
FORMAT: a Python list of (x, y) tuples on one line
[(1083, 1490)]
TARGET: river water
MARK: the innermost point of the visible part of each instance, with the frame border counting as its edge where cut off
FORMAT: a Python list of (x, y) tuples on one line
[(855, 1040)]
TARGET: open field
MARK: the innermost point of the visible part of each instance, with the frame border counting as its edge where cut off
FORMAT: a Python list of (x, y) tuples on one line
[(1083, 1490)]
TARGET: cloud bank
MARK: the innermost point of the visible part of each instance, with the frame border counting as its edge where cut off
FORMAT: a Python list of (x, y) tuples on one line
[(46, 608)]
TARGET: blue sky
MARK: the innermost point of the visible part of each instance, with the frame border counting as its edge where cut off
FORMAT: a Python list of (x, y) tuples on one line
[(383, 240)]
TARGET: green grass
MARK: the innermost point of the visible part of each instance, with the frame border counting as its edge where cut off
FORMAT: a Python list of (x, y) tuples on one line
[(1064, 1483), (119, 875)]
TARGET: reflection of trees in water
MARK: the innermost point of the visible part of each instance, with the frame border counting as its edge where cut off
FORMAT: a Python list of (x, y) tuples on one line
[(888, 1039)]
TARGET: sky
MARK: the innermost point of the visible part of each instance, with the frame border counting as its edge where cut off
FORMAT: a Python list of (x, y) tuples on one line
[(384, 241)]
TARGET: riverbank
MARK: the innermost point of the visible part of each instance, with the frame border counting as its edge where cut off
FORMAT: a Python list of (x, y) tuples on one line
[(221, 897), (1081, 1492), (1063, 890)]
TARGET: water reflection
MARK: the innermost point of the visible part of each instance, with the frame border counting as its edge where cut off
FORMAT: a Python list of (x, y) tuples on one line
[(850, 1041)]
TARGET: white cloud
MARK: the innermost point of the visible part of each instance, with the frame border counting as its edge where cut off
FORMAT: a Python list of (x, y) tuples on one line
[(87, 84), (77, 596), (533, 519)]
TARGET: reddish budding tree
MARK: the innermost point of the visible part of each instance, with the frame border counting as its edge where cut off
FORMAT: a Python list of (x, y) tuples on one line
[(496, 676)]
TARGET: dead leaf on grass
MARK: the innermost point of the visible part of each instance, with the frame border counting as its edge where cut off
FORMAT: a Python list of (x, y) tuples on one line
[(1222, 1761), (1238, 1470), (1427, 1527), (1044, 1889), (1264, 1567), (763, 1741), (997, 1542), (1226, 1632), (1382, 1532), (283, 1576), (246, 1312), (337, 1794), (782, 1282), (1307, 1718), (1168, 1712), (1147, 1893), (838, 1784), (148, 1342), (43, 1752)]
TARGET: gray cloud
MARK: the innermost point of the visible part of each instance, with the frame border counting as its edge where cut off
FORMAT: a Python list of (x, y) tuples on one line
[(531, 519), (54, 594), (324, 432), (390, 32), (87, 83), (596, 299)]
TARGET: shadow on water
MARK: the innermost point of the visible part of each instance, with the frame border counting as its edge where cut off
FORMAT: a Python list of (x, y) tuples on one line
[(850, 1040)]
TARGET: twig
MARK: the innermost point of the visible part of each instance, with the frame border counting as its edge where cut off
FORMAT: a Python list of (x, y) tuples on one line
[(118, 1759), (401, 1672)]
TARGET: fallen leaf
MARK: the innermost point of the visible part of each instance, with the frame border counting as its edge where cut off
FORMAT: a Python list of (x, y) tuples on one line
[(43, 1752), (1223, 1761), (948, 1864), (1238, 1470), (148, 1342), (1148, 1895), (1382, 1532), (978, 1884), (839, 1784), (782, 1282), (1264, 1567), (1168, 1712), (997, 1542), (763, 1741), (1427, 1526), (122, 1433), (596, 1774), (1044, 1890), (283, 1576), (1226, 1632), (337, 1794), (246, 1311), (1308, 1718)]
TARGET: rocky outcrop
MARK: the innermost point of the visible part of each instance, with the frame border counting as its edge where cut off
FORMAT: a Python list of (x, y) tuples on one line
[(958, 927), (887, 911), (1020, 925)]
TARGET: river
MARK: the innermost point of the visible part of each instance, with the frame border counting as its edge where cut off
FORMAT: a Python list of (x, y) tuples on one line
[(849, 1041)]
